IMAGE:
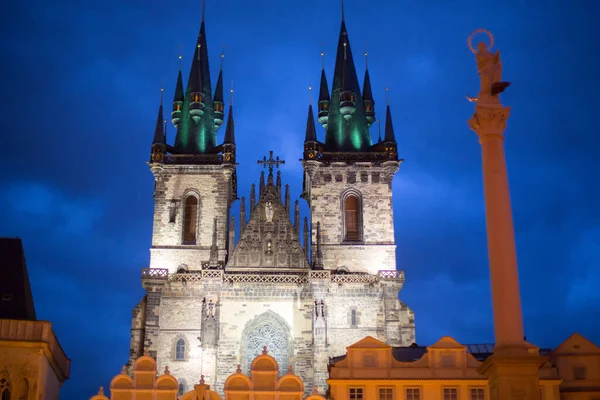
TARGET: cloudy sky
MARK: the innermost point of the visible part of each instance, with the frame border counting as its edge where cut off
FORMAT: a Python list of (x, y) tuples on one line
[(81, 86)]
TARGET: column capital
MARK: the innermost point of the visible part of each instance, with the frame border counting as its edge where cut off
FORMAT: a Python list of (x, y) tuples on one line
[(489, 121)]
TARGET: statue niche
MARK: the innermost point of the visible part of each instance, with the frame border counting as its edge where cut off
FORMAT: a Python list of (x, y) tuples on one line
[(210, 325)]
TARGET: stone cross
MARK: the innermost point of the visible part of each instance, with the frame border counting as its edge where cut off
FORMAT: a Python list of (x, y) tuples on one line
[(271, 162)]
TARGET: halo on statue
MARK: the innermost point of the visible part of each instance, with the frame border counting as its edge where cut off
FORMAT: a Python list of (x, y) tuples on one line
[(475, 32)]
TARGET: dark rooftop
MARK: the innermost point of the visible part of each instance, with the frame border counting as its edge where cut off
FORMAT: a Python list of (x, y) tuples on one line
[(16, 300)]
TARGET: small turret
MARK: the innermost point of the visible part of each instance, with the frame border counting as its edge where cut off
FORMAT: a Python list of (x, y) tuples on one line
[(389, 141), (229, 142), (367, 96), (311, 146), (323, 103), (178, 99), (218, 99), (159, 144)]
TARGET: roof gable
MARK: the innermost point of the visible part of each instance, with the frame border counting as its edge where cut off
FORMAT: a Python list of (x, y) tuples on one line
[(369, 343), (576, 343), (269, 240)]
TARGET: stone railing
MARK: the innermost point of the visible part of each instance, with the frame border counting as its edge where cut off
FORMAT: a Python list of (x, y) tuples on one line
[(320, 274), (302, 276), (155, 273), (391, 274), (37, 331)]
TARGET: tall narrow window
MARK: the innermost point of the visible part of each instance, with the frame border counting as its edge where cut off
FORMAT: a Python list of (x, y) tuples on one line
[(352, 218), (181, 390), (353, 318), (4, 389), (190, 216), (180, 350)]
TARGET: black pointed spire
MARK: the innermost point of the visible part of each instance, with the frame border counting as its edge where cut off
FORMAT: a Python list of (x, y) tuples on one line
[(311, 134), (368, 95), (218, 99), (389, 127), (230, 129), (159, 133), (179, 88)]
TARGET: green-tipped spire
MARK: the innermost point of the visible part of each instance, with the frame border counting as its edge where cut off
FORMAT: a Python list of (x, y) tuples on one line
[(196, 131), (311, 134), (230, 130), (347, 128)]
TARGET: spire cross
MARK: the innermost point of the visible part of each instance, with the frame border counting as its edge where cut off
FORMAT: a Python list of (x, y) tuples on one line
[(271, 162)]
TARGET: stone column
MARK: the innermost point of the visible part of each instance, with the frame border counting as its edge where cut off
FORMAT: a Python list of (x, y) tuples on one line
[(513, 368)]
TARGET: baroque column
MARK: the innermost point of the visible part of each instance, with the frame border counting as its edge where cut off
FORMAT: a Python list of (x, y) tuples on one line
[(513, 369)]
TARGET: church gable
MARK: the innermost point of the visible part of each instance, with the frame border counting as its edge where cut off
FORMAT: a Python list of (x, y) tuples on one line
[(269, 240)]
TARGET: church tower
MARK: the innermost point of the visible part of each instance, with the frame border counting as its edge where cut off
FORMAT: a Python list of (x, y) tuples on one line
[(195, 185), (195, 178), (347, 178)]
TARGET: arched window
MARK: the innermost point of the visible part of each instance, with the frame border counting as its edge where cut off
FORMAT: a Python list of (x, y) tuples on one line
[(353, 317), (190, 217), (352, 218), (4, 389), (181, 390), (180, 350)]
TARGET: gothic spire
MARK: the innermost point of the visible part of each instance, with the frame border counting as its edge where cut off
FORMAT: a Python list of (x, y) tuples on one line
[(229, 130), (311, 134), (218, 99), (368, 95), (347, 128), (389, 127), (159, 133), (196, 131)]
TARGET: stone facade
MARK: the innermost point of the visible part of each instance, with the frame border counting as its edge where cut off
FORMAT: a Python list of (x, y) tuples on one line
[(326, 187), (203, 318)]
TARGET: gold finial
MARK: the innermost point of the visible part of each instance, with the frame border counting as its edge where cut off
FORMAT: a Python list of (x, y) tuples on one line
[(101, 391), (387, 97), (309, 95), (366, 55), (342, 10), (231, 94), (239, 369), (162, 92)]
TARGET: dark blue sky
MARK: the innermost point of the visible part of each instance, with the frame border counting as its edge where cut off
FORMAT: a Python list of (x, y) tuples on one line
[(81, 86)]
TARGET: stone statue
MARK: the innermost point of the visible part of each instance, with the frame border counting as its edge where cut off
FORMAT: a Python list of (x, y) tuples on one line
[(489, 67), (269, 211)]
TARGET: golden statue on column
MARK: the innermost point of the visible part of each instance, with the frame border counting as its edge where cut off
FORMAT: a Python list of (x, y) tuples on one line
[(512, 370)]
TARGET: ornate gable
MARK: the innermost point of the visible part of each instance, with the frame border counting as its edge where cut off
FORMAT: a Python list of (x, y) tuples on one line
[(268, 240)]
